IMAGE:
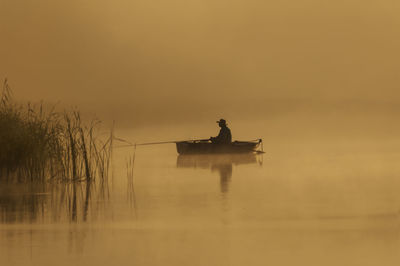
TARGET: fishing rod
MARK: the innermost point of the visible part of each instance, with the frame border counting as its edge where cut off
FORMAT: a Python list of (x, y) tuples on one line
[(156, 143), (165, 142)]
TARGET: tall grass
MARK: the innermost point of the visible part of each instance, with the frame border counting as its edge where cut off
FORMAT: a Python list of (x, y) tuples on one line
[(39, 145)]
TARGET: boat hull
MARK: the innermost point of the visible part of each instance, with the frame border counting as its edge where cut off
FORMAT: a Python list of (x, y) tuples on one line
[(206, 147)]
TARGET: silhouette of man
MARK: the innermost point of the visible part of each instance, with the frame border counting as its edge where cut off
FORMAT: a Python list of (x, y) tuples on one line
[(224, 136)]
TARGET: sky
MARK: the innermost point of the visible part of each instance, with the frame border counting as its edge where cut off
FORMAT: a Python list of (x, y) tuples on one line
[(194, 56)]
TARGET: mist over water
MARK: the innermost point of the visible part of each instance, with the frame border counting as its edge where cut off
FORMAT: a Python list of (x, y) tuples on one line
[(316, 80), (310, 194)]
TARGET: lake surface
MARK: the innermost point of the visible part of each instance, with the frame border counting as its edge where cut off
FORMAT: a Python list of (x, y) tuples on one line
[(314, 198)]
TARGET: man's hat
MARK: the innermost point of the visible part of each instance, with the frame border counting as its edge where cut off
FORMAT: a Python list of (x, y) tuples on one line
[(222, 121)]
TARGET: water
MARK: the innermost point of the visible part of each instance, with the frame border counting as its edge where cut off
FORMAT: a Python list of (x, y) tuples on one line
[(312, 199)]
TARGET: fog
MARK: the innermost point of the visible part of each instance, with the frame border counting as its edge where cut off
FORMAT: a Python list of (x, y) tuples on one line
[(316, 80), (152, 61)]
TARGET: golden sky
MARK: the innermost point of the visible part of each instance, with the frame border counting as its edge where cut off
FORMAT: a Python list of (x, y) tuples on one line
[(144, 52)]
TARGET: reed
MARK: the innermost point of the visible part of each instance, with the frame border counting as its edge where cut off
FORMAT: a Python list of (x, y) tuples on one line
[(39, 145), (130, 164)]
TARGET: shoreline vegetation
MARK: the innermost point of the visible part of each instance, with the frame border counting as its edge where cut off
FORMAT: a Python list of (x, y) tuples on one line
[(39, 145)]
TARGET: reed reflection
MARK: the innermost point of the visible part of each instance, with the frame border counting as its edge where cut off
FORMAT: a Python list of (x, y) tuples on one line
[(131, 195), (221, 163), (61, 202)]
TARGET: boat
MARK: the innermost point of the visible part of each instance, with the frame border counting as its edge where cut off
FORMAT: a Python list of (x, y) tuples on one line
[(207, 147)]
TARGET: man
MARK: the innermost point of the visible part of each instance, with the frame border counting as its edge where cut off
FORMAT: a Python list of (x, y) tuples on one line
[(224, 136)]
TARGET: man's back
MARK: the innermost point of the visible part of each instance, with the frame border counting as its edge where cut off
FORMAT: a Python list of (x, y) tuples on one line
[(224, 136)]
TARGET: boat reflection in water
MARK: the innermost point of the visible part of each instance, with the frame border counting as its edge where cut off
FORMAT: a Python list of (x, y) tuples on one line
[(221, 163)]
